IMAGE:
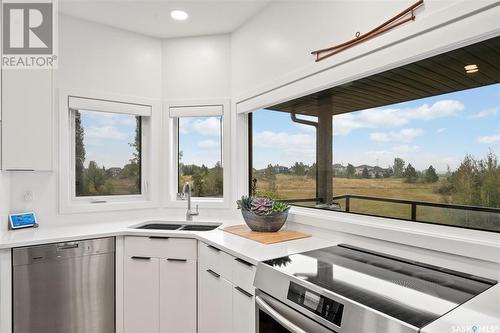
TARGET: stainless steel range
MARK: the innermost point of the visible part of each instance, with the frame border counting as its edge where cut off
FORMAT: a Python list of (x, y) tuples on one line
[(346, 289)]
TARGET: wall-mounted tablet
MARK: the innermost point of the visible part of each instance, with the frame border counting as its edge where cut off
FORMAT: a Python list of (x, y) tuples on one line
[(22, 220)]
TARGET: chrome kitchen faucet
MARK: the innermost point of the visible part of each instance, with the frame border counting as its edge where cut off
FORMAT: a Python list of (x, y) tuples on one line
[(186, 194)]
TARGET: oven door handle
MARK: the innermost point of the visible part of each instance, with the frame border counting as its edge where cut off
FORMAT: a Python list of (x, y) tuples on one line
[(277, 316)]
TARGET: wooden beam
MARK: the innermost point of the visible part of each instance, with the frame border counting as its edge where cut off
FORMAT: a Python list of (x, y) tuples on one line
[(324, 152)]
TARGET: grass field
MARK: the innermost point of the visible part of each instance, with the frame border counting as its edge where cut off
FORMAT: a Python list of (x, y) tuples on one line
[(124, 186), (291, 186), (296, 187)]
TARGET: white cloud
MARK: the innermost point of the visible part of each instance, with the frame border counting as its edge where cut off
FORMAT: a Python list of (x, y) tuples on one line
[(440, 130), (184, 125), (405, 148), (485, 113), (104, 132), (207, 144), (489, 139), (109, 119), (282, 139), (210, 126), (404, 135), (284, 148), (389, 118)]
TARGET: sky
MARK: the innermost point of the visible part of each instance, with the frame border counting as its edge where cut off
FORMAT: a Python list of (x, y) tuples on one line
[(200, 140), (107, 138), (437, 131)]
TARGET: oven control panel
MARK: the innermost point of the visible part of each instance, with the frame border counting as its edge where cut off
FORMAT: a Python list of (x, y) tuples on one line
[(316, 303)]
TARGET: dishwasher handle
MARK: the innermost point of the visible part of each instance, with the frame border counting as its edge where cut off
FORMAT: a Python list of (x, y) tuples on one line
[(67, 246)]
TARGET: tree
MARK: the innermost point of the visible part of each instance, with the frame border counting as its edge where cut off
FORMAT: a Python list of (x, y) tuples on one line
[(389, 172), (269, 172), (431, 175), (198, 184), (410, 174), (312, 171), (398, 167), (365, 173), (81, 188), (299, 169), (135, 161), (96, 178), (350, 171)]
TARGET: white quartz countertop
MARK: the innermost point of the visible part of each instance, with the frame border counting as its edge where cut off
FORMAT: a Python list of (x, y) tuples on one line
[(480, 314), (243, 248)]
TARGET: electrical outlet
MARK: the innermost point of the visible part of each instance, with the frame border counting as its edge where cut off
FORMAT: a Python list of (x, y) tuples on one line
[(28, 196)]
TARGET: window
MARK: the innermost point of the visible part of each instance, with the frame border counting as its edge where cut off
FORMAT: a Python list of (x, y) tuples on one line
[(419, 143), (199, 149), (200, 155), (104, 155), (108, 148)]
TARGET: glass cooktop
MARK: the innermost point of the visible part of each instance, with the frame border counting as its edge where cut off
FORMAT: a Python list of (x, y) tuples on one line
[(410, 291)]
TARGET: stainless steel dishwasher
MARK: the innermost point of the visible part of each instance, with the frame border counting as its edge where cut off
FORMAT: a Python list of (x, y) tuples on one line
[(64, 287)]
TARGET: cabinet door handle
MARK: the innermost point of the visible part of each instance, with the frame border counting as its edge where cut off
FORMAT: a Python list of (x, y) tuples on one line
[(244, 262), (244, 292), (175, 259), (213, 273), (213, 248), (140, 258), (158, 237)]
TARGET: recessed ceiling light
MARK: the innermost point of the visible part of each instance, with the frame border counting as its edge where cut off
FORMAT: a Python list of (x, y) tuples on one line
[(471, 69), (179, 15)]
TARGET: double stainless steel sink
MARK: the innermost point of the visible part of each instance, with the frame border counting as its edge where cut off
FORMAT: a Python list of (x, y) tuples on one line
[(178, 227)]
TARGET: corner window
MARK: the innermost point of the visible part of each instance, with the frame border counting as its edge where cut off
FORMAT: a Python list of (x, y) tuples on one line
[(107, 153), (199, 150), (104, 155), (200, 155), (418, 143)]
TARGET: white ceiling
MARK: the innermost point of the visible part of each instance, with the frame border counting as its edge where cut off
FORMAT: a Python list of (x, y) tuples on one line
[(152, 17)]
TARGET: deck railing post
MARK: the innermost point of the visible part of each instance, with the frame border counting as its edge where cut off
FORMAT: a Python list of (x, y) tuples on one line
[(347, 203), (413, 211)]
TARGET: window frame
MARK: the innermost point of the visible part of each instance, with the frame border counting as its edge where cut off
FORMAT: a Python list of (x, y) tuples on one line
[(171, 160), (68, 201)]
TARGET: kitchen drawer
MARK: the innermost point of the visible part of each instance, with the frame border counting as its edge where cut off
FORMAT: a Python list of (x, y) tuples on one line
[(160, 247), (243, 275), (216, 260)]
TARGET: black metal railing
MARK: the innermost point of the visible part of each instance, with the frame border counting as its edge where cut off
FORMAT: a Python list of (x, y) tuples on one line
[(413, 204)]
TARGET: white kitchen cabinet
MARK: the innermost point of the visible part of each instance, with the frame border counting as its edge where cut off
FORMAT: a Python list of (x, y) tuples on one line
[(141, 288), (215, 301), (159, 285), (226, 301), (27, 125), (243, 311), (177, 295)]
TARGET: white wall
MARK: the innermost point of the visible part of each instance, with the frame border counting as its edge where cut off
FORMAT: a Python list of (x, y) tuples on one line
[(92, 57), (273, 49), (4, 201), (197, 68)]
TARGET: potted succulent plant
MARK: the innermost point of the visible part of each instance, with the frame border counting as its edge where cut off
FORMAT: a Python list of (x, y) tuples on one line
[(263, 214)]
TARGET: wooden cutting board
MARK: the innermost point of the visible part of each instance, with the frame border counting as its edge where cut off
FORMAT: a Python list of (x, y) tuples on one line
[(265, 237)]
